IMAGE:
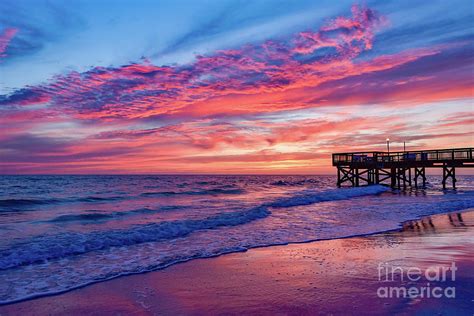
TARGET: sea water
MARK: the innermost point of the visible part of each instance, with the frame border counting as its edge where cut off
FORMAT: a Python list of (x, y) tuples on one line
[(58, 233)]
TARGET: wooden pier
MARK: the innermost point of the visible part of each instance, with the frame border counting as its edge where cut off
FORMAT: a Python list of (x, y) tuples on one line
[(400, 169)]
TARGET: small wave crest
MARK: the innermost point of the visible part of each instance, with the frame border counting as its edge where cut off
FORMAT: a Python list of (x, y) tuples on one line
[(215, 191), (26, 202), (80, 217), (97, 199), (310, 197), (294, 183), (95, 215), (38, 202)]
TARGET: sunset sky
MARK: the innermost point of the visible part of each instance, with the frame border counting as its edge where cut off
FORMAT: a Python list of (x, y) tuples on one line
[(229, 86)]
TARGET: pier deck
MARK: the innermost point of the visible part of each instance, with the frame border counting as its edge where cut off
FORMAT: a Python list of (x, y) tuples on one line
[(378, 167)]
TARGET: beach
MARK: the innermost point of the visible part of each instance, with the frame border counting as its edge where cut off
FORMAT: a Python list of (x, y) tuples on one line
[(337, 276), (236, 157)]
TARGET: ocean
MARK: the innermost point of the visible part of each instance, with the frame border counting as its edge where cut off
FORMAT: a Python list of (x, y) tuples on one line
[(58, 233)]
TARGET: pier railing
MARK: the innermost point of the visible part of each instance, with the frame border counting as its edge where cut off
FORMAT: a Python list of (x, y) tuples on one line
[(438, 155)]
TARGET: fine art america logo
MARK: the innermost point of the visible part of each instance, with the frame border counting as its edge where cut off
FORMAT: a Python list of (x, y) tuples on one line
[(431, 282)]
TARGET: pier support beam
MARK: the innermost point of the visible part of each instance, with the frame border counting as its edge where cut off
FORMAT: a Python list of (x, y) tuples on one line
[(449, 172), (338, 177), (420, 172), (402, 179), (355, 176), (345, 174), (371, 176), (393, 177)]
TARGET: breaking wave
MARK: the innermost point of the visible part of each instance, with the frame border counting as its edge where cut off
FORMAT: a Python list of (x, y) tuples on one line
[(51, 246)]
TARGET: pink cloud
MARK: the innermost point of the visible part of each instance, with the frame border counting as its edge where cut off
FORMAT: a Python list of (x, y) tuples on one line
[(347, 35), (249, 80), (5, 39), (142, 90)]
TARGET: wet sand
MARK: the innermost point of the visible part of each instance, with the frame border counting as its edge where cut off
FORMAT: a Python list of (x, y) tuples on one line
[(324, 277)]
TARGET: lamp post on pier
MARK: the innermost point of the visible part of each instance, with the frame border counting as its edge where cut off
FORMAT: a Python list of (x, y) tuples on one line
[(388, 145)]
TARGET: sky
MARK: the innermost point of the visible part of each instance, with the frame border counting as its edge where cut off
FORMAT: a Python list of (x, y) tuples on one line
[(230, 86)]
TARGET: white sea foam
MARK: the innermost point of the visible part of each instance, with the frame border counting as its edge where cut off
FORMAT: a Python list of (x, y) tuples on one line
[(307, 197)]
